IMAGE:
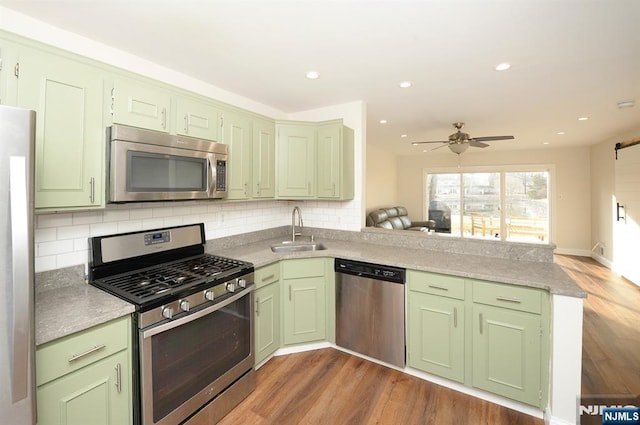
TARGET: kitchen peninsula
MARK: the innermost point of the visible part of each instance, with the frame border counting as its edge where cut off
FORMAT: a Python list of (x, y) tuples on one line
[(473, 261)]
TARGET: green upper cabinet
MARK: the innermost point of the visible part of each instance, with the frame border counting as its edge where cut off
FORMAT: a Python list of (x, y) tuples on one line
[(264, 158), (315, 160), (236, 132), (196, 119), (296, 160), (139, 104), (67, 97), (335, 161), (8, 80)]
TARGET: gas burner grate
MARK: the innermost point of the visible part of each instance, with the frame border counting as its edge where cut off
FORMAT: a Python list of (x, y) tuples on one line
[(154, 282)]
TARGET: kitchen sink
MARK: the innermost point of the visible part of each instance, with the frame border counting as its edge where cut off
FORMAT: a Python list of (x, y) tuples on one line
[(298, 246)]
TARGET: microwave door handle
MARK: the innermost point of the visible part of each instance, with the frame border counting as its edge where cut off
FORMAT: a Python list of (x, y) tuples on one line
[(211, 174)]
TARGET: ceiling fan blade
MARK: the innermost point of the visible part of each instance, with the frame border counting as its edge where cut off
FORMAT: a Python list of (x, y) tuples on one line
[(490, 138), (440, 147), (477, 144), (431, 141)]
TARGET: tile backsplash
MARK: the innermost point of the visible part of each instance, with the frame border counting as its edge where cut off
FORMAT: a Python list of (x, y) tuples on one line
[(61, 238)]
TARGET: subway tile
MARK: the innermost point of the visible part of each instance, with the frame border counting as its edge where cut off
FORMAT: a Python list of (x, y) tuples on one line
[(53, 220)]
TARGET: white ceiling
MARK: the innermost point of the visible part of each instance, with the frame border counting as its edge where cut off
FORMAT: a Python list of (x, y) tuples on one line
[(570, 58)]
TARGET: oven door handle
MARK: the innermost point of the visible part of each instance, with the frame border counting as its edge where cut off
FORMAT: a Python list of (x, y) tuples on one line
[(191, 317)]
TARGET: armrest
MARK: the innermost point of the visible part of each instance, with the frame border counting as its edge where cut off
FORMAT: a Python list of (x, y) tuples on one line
[(430, 224)]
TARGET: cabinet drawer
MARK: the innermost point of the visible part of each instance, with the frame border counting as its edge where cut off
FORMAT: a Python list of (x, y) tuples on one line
[(267, 275), (436, 284), (307, 267), (508, 296), (73, 352)]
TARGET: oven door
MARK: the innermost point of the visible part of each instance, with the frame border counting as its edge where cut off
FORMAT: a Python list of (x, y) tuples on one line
[(143, 172), (188, 361)]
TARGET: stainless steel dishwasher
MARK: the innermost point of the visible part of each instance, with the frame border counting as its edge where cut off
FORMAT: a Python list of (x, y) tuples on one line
[(370, 310)]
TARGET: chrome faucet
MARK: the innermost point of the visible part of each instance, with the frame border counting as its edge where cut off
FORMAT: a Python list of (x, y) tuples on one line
[(293, 223)]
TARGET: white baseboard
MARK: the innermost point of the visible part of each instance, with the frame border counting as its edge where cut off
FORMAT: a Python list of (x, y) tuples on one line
[(551, 420), (604, 261), (302, 348), (570, 251)]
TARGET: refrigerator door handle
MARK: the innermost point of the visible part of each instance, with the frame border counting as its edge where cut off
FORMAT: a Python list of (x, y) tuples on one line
[(20, 275)]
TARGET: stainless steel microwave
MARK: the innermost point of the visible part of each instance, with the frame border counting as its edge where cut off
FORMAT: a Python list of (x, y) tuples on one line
[(146, 165)]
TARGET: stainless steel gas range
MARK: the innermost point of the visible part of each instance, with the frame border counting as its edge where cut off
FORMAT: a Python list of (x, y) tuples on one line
[(193, 327)]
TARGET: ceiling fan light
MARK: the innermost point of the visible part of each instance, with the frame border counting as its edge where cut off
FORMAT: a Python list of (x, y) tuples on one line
[(458, 148)]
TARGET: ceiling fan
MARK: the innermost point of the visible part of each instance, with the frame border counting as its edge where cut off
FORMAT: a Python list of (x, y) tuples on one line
[(459, 142)]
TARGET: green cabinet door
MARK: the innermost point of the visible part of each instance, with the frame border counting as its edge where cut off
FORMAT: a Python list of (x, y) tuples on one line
[(335, 175), (264, 159), (296, 161), (99, 394), (67, 97), (304, 300), (196, 119), (436, 335), (236, 132), (8, 80), (507, 353), (267, 315), (141, 105)]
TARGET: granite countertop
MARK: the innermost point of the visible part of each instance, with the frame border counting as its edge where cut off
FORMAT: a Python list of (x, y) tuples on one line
[(66, 304), (544, 275)]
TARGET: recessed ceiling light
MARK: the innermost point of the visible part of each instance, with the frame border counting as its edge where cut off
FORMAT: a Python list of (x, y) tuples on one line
[(503, 66), (313, 75), (383, 121), (403, 135), (626, 104), (424, 150), (405, 84), (561, 133), (545, 143), (583, 118)]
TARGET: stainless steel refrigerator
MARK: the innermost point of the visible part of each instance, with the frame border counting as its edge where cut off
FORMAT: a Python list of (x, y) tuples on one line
[(17, 350)]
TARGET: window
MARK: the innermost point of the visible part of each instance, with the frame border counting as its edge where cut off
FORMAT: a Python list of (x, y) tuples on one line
[(491, 203)]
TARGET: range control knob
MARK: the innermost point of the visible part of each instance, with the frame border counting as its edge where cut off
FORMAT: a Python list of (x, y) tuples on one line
[(167, 312), (184, 305), (231, 287), (242, 282), (208, 294)]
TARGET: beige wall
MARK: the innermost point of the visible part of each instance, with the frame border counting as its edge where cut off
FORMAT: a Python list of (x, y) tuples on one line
[(381, 179), (570, 198), (602, 191)]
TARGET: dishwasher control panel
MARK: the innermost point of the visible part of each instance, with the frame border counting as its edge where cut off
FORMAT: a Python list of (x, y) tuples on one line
[(375, 271)]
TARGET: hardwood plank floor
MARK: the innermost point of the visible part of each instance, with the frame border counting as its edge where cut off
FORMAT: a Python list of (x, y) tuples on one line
[(333, 388), (611, 328)]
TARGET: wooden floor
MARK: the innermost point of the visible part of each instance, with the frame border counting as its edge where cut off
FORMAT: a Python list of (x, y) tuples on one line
[(611, 328), (333, 388)]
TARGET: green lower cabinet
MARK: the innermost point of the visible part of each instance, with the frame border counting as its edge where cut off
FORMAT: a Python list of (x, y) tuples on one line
[(436, 335), (99, 394), (507, 353), (267, 324), (304, 285)]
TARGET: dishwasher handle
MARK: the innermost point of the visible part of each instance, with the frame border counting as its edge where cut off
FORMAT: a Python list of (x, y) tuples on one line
[(371, 271)]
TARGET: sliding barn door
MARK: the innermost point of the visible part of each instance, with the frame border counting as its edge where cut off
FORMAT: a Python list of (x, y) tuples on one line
[(626, 229)]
